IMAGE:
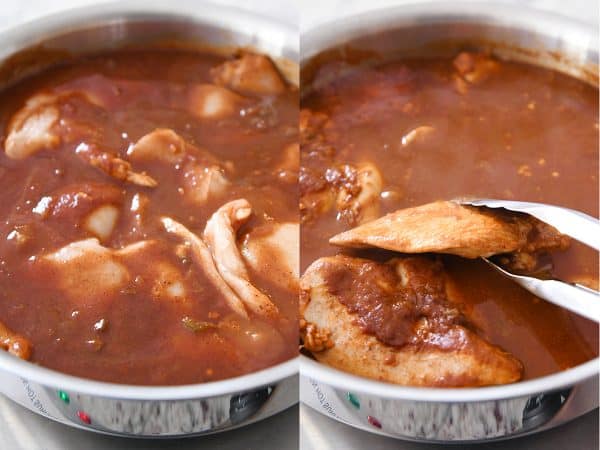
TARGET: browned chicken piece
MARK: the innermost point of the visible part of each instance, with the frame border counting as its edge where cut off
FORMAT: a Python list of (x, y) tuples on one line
[(519, 262), (289, 166), (353, 190), (394, 322), (272, 250), (316, 197), (219, 257), (203, 183), (76, 200), (37, 126), (14, 343), (202, 256), (203, 178), (102, 221), (113, 166), (250, 74), (358, 197), (220, 235), (207, 101), (448, 227), (31, 129), (92, 206), (475, 67), (162, 144), (87, 272)]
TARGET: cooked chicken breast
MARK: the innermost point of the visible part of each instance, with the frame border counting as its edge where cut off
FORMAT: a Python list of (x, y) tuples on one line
[(217, 253), (101, 222), (14, 343), (161, 144), (203, 177), (204, 183), (354, 190), (202, 257), (31, 129), (38, 125), (394, 322), (273, 250), (86, 270), (475, 68), (448, 227), (208, 101), (358, 197), (113, 166), (249, 74), (220, 235), (289, 166)]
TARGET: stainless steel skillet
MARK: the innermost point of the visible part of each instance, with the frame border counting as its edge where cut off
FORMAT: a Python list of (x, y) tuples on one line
[(141, 411), (454, 415), (574, 297)]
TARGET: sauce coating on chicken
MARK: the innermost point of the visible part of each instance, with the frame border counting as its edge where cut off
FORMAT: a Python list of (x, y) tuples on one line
[(141, 194), (385, 146)]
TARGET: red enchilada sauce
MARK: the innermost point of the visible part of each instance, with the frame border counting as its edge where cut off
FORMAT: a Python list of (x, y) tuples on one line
[(391, 314), (420, 130), (148, 311)]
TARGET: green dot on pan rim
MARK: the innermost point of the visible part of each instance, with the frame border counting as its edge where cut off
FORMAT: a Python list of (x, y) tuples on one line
[(64, 396), (353, 400)]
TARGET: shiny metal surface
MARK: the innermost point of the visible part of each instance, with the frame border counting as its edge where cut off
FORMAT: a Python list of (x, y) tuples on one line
[(21, 429), (136, 410), (454, 415), (540, 38), (574, 297), (133, 22), (149, 411), (323, 433), (579, 226), (586, 229), (443, 415)]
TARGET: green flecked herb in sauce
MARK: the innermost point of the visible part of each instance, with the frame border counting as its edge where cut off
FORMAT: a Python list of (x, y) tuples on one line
[(197, 325)]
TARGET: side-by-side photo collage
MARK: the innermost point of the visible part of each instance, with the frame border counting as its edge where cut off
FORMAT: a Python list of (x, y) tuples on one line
[(299, 224)]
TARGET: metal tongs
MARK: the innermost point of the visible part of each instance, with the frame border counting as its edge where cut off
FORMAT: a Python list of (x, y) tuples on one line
[(581, 227)]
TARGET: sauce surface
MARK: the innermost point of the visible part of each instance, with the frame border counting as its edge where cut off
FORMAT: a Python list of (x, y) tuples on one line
[(393, 307), (135, 335), (439, 129)]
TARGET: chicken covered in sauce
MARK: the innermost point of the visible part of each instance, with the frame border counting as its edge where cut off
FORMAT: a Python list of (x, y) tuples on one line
[(392, 287), (150, 227)]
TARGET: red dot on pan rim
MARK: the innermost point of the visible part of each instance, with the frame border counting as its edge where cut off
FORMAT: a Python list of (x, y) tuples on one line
[(373, 421), (84, 417)]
